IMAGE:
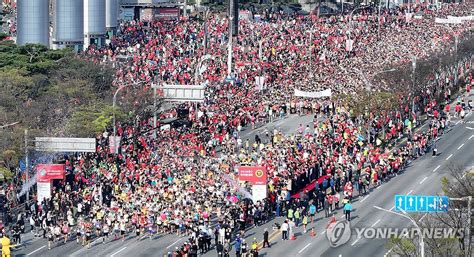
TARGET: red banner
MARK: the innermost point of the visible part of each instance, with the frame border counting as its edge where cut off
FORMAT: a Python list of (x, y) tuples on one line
[(254, 175), (48, 172)]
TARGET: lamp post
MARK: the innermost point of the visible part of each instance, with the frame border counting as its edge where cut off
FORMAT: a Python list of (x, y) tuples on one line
[(413, 63), (378, 25), (229, 49), (350, 19), (405, 215), (114, 103)]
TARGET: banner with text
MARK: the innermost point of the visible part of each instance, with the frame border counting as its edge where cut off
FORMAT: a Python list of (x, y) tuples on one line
[(324, 93), (253, 174), (48, 172)]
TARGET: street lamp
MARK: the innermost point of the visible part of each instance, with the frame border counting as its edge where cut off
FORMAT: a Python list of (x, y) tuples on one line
[(350, 19), (114, 103), (413, 63), (229, 50), (405, 215)]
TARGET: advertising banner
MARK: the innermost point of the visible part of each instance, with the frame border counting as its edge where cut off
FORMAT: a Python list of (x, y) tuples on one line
[(447, 21), (44, 190), (166, 13), (324, 93), (259, 192), (253, 174), (48, 172)]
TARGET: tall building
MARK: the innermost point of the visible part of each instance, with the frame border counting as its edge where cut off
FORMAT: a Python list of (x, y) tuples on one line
[(33, 22), (94, 23), (68, 24)]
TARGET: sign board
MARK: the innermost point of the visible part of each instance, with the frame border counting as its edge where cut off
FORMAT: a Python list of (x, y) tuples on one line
[(259, 192), (65, 144), (421, 203), (44, 191), (48, 172), (147, 2), (167, 13), (253, 174), (127, 14), (183, 93)]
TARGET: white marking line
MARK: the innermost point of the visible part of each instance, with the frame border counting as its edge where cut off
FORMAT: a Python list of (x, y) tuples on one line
[(471, 137), (141, 238), (373, 225), (460, 146), (364, 198), (173, 243), (436, 168), (342, 216), (304, 248), (388, 252), (355, 242), (451, 155), (458, 122), (118, 251), (422, 217), (36, 250), (421, 182), (409, 193), (392, 207), (324, 231)]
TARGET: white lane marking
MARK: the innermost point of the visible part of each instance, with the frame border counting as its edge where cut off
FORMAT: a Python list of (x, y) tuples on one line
[(324, 231), (458, 122), (355, 242), (460, 146), (422, 217), (118, 251), (421, 182), (471, 137), (451, 155), (437, 167), (388, 252), (469, 129), (364, 198), (342, 216), (36, 250), (409, 193), (373, 225), (173, 243), (304, 248), (141, 238), (392, 207)]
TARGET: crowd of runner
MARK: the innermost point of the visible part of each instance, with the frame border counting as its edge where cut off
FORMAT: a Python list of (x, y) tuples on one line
[(184, 180)]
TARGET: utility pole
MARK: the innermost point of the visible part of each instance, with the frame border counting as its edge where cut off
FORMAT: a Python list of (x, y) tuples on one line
[(27, 170), (413, 84), (229, 50), (154, 87), (378, 27)]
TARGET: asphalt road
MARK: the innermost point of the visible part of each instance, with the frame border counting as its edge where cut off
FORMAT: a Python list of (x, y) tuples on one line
[(421, 177)]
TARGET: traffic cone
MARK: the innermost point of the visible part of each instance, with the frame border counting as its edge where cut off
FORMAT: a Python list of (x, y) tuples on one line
[(293, 237), (331, 221), (312, 233)]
